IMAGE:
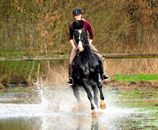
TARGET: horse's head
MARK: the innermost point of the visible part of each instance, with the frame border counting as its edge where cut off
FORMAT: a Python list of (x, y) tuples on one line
[(80, 35)]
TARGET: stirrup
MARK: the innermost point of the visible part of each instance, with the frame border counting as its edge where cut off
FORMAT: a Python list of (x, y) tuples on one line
[(104, 77), (70, 81)]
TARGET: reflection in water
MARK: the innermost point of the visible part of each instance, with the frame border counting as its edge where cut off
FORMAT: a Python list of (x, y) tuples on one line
[(55, 123), (20, 123), (48, 123), (57, 109)]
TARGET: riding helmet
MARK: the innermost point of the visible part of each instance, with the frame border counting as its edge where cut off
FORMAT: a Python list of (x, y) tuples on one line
[(77, 11)]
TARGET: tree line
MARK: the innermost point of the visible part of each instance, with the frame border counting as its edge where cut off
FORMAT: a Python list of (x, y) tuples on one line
[(40, 27)]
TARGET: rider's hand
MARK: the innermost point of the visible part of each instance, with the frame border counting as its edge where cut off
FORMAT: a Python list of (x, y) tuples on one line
[(75, 48)]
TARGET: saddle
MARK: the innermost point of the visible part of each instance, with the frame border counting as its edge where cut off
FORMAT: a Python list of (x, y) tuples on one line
[(91, 67), (74, 60)]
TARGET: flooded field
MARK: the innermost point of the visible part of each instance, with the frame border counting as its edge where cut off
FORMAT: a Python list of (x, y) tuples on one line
[(50, 108)]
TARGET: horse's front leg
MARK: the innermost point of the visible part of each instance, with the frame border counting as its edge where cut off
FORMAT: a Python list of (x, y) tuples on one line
[(99, 83), (76, 92), (89, 95), (95, 90)]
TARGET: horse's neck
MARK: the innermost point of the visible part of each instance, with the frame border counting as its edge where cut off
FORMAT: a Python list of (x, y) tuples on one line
[(87, 54)]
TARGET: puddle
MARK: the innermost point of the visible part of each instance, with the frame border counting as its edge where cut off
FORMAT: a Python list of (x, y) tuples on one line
[(50, 108)]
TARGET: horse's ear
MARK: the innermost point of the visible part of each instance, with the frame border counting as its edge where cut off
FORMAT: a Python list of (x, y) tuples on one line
[(82, 23), (77, 25), (74, 24)]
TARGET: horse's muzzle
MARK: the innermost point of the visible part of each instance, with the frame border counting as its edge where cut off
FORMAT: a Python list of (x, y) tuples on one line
[(80, 46)]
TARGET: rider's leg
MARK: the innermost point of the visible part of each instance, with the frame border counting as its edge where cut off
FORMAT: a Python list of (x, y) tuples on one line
[(72, 56), (103, 76)]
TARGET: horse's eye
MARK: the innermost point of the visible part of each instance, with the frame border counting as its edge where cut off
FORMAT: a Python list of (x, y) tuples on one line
[(76, 37), (74, 33)]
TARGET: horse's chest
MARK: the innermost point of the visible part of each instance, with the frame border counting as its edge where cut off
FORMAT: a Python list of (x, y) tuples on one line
[(85, 68)]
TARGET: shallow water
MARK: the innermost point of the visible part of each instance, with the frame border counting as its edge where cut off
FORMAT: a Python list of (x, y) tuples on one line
[(49, 108)]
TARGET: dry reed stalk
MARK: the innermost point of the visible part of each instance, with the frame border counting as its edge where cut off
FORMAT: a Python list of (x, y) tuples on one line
[(59, 73), (132, 66), (56, 76)]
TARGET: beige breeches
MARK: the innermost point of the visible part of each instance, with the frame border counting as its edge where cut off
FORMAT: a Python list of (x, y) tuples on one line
[(73, 53)]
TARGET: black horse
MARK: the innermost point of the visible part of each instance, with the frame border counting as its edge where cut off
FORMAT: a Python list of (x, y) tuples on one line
[(86, 68)]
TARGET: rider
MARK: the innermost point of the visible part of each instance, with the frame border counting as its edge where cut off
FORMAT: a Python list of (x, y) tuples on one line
[(77, 14)]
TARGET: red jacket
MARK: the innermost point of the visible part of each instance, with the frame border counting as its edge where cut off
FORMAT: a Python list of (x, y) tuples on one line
[(87, 26)]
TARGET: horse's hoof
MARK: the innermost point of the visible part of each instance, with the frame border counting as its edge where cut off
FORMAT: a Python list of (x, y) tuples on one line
[(94, 113), (102, 104)]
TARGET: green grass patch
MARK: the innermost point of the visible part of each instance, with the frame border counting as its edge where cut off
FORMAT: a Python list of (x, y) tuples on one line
[(139, 105), (19, 65), (140, 77), (133, 94)]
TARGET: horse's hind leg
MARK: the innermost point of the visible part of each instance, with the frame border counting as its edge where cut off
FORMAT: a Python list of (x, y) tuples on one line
[(99, 83), (95, 91), (89, 95), (76, 92)]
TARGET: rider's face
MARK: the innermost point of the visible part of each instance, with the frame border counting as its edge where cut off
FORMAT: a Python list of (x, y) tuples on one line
[(78, 17)]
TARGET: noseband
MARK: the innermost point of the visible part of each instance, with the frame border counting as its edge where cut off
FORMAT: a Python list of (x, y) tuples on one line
[(81, 39)]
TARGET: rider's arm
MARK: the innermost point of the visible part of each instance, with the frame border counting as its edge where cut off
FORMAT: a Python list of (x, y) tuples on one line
[(70, 33), (89, 28), (90, 41), (73, 44), (71, 38)]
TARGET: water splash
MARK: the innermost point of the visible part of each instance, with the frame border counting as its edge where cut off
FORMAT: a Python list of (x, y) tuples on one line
[(56, 108), (61, 100)]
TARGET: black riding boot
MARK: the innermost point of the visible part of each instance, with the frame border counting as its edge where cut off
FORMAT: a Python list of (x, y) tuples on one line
[(103, 76), (70, 80)]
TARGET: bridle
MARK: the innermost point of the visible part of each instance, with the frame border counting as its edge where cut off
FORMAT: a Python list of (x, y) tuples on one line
[(81, 39)]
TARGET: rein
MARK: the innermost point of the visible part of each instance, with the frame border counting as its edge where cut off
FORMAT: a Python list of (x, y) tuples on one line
[(103, 55), (86, 45), (82, 40)]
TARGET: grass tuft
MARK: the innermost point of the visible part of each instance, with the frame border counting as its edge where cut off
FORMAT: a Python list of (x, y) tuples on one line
[(139, 77)]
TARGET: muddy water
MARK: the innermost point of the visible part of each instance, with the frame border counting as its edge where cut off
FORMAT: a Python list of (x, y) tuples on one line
[(49, 108)]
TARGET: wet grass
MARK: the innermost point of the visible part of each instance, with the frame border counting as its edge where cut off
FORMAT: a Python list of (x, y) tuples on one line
[(144, 101), (139, 77), (139, 94), (134, 98)]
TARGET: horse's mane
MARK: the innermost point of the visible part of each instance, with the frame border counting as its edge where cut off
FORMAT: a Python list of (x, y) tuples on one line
[(77, 25), (86, 54)]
